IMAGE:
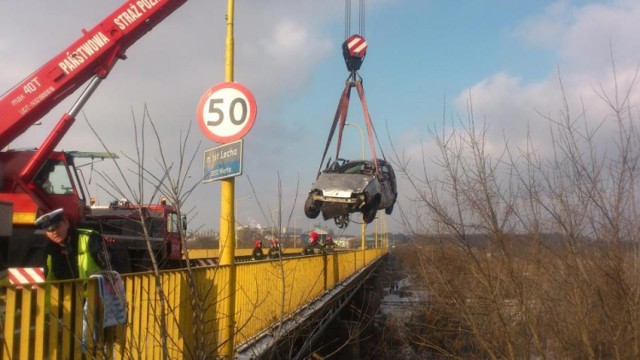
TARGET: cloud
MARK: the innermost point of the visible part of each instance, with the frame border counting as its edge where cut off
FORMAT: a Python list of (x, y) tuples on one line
[(278, 44), (546, 30), (588, 42), (283, 53), (596, 66)]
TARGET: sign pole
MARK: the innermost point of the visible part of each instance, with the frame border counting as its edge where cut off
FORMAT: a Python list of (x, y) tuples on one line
[(227, 218), (225, 114)]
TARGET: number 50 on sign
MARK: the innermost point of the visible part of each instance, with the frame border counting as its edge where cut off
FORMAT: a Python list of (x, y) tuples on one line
[(226, 112)]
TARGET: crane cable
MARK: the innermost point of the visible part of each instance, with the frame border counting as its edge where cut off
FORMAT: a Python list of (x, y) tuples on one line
[(354, 80), (347, 18), (361, 17), (340, 118)]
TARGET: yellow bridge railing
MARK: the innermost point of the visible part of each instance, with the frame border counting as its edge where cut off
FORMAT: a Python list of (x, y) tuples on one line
[(179, 312)]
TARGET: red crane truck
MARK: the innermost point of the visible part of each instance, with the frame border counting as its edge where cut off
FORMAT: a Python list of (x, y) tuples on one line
[(36, 181)]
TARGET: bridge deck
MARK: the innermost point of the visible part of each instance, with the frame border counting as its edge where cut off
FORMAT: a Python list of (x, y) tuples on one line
[(180, 312)]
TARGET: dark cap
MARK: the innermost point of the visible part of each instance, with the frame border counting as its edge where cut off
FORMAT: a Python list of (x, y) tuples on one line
[(49, 220)]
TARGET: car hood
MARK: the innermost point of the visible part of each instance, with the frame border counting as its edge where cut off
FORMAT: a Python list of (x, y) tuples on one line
[(343, 182)]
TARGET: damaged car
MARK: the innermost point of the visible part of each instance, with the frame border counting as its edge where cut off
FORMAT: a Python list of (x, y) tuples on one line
[(346, 187)]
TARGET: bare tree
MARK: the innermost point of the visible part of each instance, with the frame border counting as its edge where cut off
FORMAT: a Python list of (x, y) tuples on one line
[(528, 255), (170, 182)]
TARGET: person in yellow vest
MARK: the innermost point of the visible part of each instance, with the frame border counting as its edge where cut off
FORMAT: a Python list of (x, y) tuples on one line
[(71, 253)]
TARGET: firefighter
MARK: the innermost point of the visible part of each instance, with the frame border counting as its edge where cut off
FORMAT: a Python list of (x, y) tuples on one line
[(257, 253), (274, 249), (313, 244), (329, 245), (72, 253)]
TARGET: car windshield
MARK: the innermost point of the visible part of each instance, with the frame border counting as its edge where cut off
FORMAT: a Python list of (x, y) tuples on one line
[(352, 167)]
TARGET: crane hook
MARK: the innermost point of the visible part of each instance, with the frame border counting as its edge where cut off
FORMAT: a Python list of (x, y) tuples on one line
[(354, 50)]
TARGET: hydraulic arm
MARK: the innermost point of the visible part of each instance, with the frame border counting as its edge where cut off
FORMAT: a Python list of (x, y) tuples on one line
[(35, 181), (93, 55)]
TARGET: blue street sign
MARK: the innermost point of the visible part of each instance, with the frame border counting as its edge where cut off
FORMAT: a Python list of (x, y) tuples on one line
[(223, 162)]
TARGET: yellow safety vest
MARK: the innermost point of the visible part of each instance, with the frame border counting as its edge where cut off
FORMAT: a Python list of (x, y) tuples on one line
[(86, 264)]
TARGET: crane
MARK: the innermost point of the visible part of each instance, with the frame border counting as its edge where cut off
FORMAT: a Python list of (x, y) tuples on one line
[(323, 196), (24, 173)]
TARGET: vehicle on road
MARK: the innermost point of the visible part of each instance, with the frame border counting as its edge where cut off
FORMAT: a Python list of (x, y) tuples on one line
[(348, 186)]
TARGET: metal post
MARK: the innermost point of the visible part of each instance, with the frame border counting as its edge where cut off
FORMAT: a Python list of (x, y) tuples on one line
[(227, 221), (295, 230), (361, 135), (377, 230), (363, 232)]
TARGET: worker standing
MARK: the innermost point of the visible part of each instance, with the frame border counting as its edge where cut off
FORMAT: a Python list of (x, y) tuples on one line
[(257, 253), (72, 253), (274, 248), (313, 246), (329, 245)]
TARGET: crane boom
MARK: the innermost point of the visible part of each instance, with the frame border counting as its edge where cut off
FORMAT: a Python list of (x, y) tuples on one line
[(36, 181), (93, 54)]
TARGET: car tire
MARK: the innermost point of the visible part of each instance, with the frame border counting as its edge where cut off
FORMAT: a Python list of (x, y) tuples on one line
[(369, 211), (310, 209), (389, 209)]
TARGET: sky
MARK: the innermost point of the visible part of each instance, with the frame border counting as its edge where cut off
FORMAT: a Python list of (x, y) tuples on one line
[(426, 62)]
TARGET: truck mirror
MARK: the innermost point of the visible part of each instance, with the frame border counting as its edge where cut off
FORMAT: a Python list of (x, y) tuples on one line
[(184, 222)]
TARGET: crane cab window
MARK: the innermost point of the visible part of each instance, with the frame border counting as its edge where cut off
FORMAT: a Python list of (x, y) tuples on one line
[(172, 223), (54, 179)]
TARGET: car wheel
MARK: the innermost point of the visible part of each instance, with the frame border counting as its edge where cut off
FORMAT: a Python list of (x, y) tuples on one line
[(310, 209), (389, 209), (369, 211)]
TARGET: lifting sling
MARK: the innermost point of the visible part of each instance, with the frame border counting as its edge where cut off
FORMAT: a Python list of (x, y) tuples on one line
[(340, 118), (354, 50)]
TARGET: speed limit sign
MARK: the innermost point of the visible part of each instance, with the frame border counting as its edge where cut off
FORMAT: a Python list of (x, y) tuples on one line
[(226, 112)]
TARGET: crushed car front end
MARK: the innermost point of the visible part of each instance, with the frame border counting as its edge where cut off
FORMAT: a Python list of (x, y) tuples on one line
[(339, 194)]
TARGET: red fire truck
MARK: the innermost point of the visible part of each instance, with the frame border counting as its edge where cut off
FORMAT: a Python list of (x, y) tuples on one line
[(129, 225), (38, 180)]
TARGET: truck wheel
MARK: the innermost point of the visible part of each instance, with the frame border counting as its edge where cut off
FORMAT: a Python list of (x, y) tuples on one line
[(310, 208)]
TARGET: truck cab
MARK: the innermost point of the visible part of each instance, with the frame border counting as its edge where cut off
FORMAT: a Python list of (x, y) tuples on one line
[(55, 185), (129, 226)]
